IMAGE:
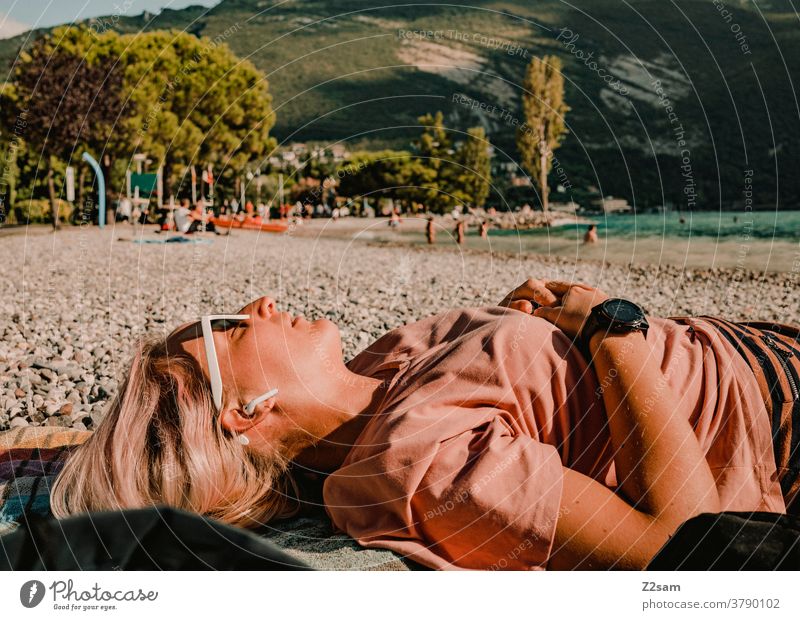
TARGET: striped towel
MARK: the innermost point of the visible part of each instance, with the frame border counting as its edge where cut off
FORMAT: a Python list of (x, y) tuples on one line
[(30, 460)]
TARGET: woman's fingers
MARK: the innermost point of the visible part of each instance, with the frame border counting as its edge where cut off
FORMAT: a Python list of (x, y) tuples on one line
[(531, 290), (548, 313), (541, 293), (559, 287), (536, 290), (523, 305)]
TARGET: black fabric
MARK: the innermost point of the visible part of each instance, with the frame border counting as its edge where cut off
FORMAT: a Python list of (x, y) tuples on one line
[(157, 538), (733, 541)]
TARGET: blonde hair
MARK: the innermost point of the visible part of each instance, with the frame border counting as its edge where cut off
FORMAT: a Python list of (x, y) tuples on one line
[(161, 442)]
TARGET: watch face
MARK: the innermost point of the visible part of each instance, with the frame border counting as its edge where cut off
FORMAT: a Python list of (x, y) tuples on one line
[(622, 311)]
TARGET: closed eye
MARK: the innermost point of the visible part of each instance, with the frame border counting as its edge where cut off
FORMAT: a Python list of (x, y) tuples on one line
[(226, 324)]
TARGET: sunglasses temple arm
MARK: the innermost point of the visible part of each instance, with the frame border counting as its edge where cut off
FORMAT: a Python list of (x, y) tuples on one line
[(251, 406), (213, 365)]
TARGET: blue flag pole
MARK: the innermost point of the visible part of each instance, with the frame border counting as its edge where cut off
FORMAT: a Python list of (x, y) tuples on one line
[(101, 188)]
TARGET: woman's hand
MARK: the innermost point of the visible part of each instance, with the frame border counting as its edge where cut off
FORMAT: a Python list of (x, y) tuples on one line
[(574, 303), (529, 295)]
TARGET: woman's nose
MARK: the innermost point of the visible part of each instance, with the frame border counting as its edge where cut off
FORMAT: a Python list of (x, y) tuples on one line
[(265, 307)]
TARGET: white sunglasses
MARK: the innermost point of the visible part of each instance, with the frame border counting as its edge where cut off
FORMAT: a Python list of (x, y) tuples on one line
[(213, 363)]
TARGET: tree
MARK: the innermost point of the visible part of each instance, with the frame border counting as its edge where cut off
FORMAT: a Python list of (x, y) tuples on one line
[(175, 97), (446, 177), (69, 102), (195, 101), (366, 173), (435, 150), (544, 111), (11, 142), (474, 178)]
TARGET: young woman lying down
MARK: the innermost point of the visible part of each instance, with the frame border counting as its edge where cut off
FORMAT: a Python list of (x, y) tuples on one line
[(479, 438)]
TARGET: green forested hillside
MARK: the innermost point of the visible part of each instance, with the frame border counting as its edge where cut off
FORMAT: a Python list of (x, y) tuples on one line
[(704, 91)]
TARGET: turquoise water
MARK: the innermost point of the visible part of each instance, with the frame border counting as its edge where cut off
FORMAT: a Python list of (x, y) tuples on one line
[(750, 225)]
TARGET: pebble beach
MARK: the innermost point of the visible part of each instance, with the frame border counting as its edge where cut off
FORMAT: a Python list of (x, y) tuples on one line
[(74, 303)]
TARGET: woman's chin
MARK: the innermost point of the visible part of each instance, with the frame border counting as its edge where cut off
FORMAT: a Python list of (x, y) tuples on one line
[(320, 324), (329, 329)]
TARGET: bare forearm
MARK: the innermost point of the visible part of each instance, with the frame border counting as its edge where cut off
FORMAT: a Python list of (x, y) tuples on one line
[(659, 462)]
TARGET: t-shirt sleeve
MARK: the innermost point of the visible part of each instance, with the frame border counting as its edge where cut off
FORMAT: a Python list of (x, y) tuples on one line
[(490, 499)]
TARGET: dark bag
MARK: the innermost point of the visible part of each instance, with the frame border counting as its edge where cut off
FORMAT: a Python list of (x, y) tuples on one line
[(157, 538), (733, 541)]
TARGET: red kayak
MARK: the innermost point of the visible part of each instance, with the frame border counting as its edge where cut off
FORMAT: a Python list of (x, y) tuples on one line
[(255, 223)]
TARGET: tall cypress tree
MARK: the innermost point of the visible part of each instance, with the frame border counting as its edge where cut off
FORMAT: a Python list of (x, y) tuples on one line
[(544, 111)]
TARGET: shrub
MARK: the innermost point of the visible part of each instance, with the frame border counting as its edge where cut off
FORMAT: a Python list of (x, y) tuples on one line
[(37, 211)]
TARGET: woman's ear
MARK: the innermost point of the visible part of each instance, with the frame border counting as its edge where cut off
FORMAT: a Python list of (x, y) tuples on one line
[(237, 420)]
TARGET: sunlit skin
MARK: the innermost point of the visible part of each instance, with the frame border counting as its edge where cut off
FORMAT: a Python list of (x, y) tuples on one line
[(317, 414)]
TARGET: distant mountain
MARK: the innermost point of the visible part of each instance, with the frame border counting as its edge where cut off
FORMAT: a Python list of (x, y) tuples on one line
[(671, 100)]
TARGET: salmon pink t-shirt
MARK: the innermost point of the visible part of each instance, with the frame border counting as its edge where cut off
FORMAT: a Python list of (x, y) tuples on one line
[(462, 464)]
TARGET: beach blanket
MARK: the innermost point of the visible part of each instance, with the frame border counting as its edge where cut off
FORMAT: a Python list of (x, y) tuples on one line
[(173, 239), (154, 538), (30, 460)]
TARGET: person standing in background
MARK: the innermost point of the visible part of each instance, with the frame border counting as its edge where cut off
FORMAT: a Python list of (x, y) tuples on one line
[(460, 231), (430, 230)]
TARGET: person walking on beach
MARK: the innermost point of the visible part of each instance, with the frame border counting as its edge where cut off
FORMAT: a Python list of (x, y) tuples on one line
[(460, 232), (430, 230), (484, 229), (591, 234)]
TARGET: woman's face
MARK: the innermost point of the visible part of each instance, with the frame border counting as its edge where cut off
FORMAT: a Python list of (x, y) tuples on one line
[(269, 350)]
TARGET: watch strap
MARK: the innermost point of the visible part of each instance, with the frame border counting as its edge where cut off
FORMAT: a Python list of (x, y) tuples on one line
[(590, 327)]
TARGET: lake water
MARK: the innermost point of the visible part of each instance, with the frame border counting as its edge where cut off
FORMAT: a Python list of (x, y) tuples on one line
[(761, 241), (726, 225)]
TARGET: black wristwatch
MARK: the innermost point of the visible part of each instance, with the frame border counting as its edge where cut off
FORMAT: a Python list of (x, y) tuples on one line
[(617, 316)]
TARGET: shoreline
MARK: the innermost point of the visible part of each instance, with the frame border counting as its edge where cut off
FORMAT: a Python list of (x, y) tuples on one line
[(751, 258), (755, 256)]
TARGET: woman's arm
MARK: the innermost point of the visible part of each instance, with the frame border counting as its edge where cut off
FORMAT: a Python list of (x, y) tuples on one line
[(659, 462), (662, 469)]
